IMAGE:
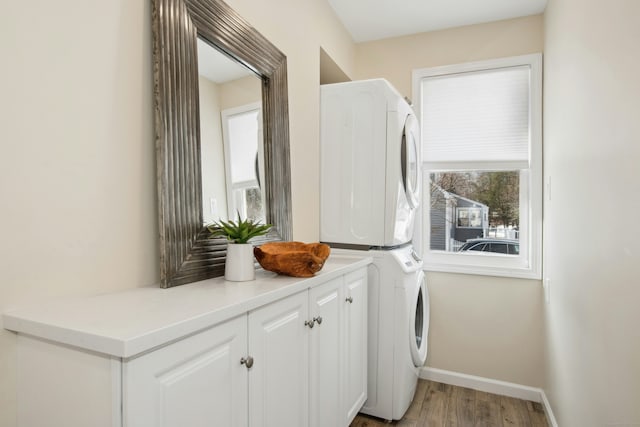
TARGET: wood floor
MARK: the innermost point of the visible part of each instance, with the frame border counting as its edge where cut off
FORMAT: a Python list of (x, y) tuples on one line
[(436, 404)]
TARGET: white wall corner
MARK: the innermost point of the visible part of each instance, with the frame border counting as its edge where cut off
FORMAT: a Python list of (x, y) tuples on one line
[(489, 385)]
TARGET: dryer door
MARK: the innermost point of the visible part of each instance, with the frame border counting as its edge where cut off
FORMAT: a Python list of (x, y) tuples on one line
[(419, 320), (410, 156)]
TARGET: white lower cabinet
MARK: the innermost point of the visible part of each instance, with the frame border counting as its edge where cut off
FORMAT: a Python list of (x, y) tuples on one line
[(279, 346), (249, 371), (278, 352), (326, 368), (297, 362), (197, 381), (356, 344), (338, 372)]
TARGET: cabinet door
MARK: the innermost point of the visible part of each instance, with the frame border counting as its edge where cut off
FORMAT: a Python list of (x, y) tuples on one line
[(197, 381), (355, 386), (278, 380), (325, 392)]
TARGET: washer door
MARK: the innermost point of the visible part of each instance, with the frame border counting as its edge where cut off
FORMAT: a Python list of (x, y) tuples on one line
[(410, 156), (419, 320)]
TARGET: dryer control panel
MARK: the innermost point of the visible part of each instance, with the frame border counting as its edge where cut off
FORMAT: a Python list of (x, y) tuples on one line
[(408, 259)]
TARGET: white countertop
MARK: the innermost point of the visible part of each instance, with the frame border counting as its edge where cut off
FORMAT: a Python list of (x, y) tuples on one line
[(124, 324)]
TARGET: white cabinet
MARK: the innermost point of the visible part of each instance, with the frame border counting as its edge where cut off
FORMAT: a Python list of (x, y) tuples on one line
[(326, 368), (355, 343), (279, 345), (304, 365), (338, 372), (290, 357), (251, 370), (190, 382)]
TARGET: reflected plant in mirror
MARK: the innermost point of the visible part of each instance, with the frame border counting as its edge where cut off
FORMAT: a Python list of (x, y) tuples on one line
[(222, 137)]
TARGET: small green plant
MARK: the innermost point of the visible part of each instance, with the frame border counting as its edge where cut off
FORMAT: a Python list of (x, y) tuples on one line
[(238, 231)]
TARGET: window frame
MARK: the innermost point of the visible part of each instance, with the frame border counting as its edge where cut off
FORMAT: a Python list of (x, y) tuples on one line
[(236, 190), (528, 264)]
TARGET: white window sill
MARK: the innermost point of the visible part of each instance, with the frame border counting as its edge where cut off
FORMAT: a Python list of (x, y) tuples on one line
[(484, 265)]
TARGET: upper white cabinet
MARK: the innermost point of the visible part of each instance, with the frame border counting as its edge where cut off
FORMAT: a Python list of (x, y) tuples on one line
[(291, 355)]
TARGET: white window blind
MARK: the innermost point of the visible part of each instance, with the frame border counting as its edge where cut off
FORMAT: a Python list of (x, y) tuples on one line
[(243, 131), (477, 116)]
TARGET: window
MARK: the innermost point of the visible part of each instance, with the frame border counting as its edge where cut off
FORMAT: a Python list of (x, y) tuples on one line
[(482, 166), (242, 136), (469, 217)]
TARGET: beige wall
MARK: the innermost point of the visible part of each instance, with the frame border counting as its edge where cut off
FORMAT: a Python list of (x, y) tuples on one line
[(395, 58), (236, 93), (592, 153), (485, 326), (77, 170)]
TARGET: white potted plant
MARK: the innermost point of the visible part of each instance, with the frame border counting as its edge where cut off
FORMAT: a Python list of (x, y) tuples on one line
[(239, 265)]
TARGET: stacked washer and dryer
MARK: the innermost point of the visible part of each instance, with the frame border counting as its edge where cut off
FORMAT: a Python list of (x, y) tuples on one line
[(369, 194)]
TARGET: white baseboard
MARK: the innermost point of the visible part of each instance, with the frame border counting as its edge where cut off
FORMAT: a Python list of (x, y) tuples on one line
[(489, 385), (551, 419)]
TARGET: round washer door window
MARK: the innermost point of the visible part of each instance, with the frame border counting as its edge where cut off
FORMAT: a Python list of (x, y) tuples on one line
[(411, 161), (419, 321)]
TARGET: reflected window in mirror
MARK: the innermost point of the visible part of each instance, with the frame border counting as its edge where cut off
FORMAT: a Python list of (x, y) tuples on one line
[(244, 161), (231, 132)]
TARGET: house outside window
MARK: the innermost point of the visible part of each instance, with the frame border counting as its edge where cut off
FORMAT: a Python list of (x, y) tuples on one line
[(482, 166)]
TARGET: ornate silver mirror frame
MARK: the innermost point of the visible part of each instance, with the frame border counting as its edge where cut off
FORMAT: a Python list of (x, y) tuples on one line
[(187, 254)]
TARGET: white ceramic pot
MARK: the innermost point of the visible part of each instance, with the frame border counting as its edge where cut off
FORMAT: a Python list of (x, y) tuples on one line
[(239, 266)]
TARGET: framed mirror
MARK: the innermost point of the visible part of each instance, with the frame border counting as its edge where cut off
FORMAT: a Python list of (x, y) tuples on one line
[(187, 254)]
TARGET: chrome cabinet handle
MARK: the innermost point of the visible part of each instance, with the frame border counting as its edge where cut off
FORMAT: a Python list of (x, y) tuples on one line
[(318, 320), (349, 300), (248, 362), (309, 323)]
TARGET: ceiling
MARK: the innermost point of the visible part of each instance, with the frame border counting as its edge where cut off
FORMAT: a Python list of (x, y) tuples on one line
[(218, 67), (368, 20)]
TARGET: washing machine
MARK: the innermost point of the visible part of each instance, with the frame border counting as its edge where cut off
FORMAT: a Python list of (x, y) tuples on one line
[(398, 329), (369, 165)]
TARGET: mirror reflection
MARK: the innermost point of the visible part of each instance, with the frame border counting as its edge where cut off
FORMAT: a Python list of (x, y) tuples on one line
[(231, 135)]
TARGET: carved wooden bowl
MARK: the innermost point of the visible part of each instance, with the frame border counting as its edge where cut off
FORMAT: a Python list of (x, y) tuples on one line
[(295, 259)]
